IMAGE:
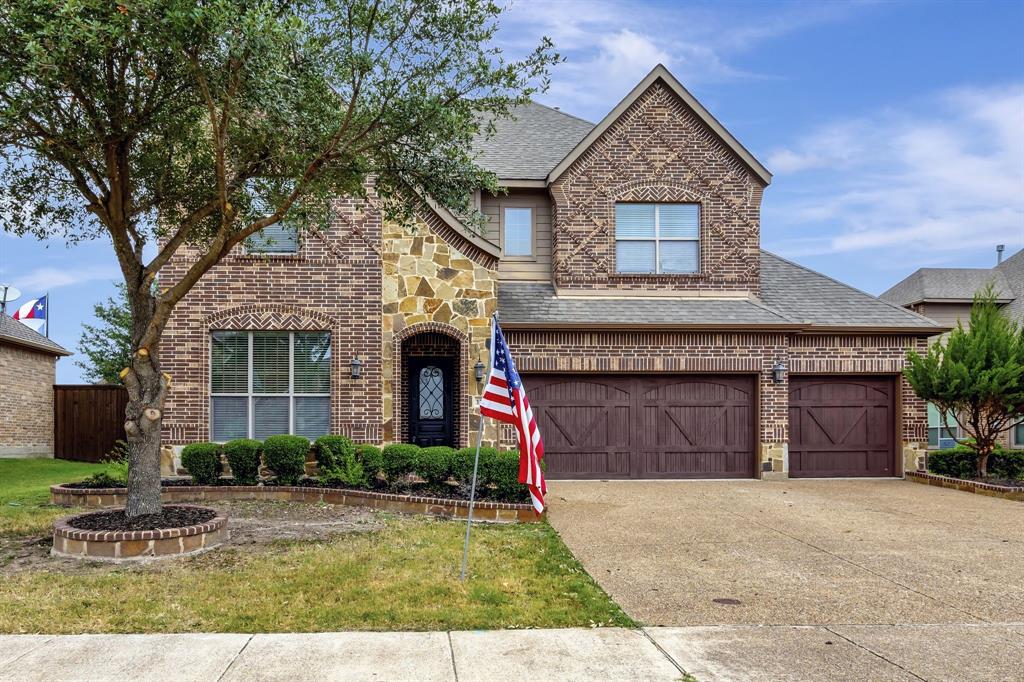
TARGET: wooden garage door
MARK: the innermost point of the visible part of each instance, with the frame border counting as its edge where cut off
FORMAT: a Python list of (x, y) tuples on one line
[(841, 426), (645, 426)]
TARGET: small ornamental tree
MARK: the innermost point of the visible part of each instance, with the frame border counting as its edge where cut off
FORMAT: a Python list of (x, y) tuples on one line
[(160, 124), (107, 347), (975, 377)]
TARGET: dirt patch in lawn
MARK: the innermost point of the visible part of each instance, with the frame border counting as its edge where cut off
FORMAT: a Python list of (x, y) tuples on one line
[(254, 526)]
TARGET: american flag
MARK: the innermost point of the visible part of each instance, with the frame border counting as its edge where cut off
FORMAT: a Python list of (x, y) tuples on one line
[(505, 399)]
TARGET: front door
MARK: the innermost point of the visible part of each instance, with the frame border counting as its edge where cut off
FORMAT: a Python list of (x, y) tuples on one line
[(431, 403)]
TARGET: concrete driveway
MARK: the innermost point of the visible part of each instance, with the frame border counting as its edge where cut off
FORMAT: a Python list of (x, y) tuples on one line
[(809, 552)]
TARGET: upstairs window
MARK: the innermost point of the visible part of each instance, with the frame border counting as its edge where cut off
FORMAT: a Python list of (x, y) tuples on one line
[(279, 238), (266, 383), (655, 239), (517, 235)]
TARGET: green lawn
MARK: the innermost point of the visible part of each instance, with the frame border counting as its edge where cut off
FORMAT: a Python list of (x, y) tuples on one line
[(403, 576), (25, 491)]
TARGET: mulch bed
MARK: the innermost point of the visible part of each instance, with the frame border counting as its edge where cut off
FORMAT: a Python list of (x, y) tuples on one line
[(1008, 482), (88, 485), (170, 517)]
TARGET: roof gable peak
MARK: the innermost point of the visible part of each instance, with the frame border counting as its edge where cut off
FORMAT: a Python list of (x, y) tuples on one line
[(660, 73)]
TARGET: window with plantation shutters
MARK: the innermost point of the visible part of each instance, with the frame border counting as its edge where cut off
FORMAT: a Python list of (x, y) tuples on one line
[(265, 383), (653, 239)]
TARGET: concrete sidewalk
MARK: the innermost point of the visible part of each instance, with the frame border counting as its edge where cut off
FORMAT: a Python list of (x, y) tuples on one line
[(860, 652)]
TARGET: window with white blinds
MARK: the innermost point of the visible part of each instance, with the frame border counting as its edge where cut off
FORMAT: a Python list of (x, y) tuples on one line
[(657, 239), (265, 383), (277, 238), (518, 236)]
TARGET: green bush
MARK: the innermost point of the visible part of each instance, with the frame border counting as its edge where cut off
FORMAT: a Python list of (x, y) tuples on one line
[(371, 458), (503, 474), (462, 464), (398, 460), (202, 462), (243, 457), (348, 472), (286, 457), (434, 464), (331, 450), (961, 462)]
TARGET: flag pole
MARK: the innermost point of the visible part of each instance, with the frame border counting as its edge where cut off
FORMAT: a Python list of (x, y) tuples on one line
[(47, 314), (476, 461)]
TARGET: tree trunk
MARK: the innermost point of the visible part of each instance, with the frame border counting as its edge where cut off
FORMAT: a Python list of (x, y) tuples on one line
[(147, 390), (983, 463)]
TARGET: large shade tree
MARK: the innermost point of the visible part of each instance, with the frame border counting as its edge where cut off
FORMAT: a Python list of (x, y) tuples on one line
[(160, 124), (975, 377)]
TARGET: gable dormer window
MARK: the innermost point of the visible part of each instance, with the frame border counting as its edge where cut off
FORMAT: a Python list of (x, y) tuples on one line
[(517, 231), (655, 239)]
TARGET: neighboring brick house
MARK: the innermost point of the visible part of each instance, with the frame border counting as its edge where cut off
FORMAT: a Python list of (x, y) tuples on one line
[(655, 337), (28, 367), (945, 295)]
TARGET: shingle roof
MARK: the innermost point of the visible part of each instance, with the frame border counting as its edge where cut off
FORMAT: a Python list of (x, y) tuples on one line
[(17, 333), (818, 300), (529, 145), (1013, 270), (792, 296), (536, 303), (938, 284)]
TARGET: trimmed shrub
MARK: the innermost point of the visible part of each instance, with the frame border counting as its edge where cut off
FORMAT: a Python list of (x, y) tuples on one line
[(398, 460), (961, 462), (243, 455), (434, 464), (331, 451), (462, 464), (503, 474), (371, 458), (286, 457), (202, 462)]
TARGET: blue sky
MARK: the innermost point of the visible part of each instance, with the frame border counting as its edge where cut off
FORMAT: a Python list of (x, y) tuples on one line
[(895, 130)]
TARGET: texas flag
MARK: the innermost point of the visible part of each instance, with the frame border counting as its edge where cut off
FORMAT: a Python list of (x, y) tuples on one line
[(32, 313)]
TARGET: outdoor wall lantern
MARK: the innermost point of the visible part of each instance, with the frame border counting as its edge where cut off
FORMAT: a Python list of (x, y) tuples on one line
[(478, 369), (357, 367), (779, 371)]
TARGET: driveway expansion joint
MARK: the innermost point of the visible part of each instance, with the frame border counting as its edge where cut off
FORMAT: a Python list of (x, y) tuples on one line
[(235, 658), (682, 671), (874, 653)]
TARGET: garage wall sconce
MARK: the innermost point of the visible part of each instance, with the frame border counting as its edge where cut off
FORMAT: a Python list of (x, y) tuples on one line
[(779, 371), (357, 367)]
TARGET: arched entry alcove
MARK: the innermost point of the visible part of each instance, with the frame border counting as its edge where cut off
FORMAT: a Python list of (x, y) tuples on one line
[(430, 372)]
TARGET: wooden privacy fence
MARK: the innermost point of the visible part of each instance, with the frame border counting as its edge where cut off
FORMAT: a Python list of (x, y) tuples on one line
[(87, 420)]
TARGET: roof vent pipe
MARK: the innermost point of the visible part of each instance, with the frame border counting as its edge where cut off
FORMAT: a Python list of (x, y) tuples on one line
[(999, 253)]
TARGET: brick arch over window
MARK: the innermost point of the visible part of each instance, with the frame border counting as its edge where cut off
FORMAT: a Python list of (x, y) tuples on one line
[(400, 374), (648, 190), (270, 316)]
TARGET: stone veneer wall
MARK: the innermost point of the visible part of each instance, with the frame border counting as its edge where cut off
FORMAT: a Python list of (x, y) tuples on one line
[(434, 282), (657, 151), (26, 402)]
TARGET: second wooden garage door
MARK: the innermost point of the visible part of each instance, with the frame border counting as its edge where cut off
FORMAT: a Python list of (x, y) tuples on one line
[(645, 426), (841, 426)]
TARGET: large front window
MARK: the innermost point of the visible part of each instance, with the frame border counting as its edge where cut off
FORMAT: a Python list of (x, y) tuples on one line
[(268, 383), (657, 239)]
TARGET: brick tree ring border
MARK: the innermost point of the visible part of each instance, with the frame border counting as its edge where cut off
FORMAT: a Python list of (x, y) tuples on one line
[(129, 545), (494, 512)]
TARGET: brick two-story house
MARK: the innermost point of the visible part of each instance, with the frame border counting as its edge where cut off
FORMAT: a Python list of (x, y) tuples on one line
[(655, 337)]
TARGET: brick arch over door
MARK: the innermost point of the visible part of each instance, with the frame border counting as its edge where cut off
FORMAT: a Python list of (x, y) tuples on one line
[(461, 382)]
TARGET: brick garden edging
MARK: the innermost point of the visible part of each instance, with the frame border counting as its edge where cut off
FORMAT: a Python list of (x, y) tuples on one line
[(1004, 491), (107, 545), (499, 512)]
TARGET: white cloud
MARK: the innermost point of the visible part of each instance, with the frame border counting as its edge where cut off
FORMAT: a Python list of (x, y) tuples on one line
[(946, 180), (47, 278), (609, 46)]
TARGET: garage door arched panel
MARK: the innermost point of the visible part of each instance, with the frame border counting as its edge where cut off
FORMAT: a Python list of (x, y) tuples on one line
[(843, 426), (645, 426)]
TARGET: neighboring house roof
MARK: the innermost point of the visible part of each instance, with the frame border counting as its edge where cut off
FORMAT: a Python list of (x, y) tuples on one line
[(14, 332), (535, 304), (531, 143), (820, 301), (1012, 270), (792, 297), (661, 73), (947, 284)]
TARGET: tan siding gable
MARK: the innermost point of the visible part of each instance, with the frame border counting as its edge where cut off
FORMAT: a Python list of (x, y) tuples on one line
[(537, 268)]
